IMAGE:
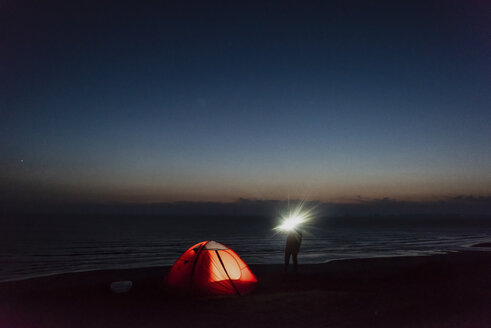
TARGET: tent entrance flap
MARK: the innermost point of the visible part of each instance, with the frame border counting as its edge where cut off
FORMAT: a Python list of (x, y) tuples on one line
[(224, 268)]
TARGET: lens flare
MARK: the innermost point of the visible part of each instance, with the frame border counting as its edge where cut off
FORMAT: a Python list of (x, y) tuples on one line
[(294, 218)]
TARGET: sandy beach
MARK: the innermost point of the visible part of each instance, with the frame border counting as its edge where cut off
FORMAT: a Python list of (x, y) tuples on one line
[(450, 290)]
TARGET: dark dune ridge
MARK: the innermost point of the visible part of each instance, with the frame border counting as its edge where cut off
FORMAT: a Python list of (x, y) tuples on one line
[(451, 290)]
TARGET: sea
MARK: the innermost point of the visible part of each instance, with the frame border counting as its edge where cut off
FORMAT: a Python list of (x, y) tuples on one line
[(33, 247)]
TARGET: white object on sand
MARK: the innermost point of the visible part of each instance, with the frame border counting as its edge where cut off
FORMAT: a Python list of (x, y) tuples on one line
[(121, 286)]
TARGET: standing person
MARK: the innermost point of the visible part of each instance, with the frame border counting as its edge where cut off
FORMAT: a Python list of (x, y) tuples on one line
[(293, 241)]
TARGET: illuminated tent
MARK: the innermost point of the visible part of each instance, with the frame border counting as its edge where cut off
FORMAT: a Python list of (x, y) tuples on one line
[(211, 268)]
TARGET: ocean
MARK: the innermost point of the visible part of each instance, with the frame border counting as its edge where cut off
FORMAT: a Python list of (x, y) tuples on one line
[(33, 247)]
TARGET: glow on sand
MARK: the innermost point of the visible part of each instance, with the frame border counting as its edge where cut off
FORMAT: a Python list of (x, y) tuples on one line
[(294, 218)]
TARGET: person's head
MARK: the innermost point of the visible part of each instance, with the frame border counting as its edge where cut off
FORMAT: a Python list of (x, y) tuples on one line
[(294, 232)]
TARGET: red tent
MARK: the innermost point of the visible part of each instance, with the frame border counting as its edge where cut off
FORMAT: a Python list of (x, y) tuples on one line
[(211, 268)]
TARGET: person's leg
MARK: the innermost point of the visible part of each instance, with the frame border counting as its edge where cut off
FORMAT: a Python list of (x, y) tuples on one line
[(295, 264), (288, 252)]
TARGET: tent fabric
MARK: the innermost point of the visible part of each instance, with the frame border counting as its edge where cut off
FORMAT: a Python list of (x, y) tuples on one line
[(213, 245), (210, 267)]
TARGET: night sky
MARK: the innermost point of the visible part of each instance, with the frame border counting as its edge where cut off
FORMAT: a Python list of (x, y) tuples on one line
[(207, 101)]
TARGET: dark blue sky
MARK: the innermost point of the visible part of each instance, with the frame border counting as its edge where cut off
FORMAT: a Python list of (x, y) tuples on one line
[(326, 100)]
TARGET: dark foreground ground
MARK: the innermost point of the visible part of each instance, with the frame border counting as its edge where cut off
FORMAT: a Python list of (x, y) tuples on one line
[(452, 290)]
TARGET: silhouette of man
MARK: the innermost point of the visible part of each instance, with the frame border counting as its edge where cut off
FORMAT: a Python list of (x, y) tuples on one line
[(293, 241)]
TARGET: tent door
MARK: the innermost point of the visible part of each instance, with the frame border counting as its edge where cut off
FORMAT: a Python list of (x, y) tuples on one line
[(224, 268)]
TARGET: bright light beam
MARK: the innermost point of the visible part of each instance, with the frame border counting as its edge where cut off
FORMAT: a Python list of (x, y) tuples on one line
[(294, 219)]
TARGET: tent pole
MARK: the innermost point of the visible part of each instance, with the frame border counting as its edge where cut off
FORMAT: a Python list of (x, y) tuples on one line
[(224, 268), (191, 276)]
